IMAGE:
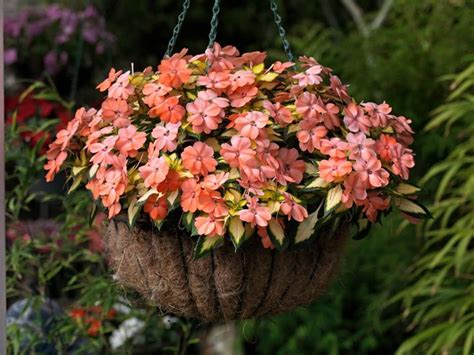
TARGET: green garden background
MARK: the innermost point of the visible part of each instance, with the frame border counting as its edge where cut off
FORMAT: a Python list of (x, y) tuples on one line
[(404, 289)]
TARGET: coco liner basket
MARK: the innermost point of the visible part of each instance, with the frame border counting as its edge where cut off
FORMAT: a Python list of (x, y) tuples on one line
[(231, 185)]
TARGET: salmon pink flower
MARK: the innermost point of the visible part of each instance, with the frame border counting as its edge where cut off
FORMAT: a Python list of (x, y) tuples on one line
[(334, 147), (116, 111), (171, 183), (309, 106), (374, 203), (216, 80), (242, 95), (402, 160), (215, 181), (360, 146), (338, 88), (155, 93), (355, 190), (334, 169), (130, 140), (238, 153), (293, 210), (165, 136), (211, 98), (279, 67), (266, 241), (103, 86), (169, 110), (291, 169), (102, 151), (330, 118), (378, 114), (209, 226), (250, 124), (310, 76), (154, 172), (255, 214), (190, 196), (205, 117), (242, 78), (310, 135), (64, 136), (355, 119), (156, 207), (279, 113), (54, 165), (199, 159), (122, 88), (383, 146), (174, 72), (371, 171)]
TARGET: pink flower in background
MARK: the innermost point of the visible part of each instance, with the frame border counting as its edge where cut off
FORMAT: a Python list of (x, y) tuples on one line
[(334, 169), (255, 214), (116, 111), (54, 164), (355, 119), (266, 241), (373, 204), (371, 171), (102, 151), (169, 110), (330, 117), (249, 125), (214, 181), (198, 159), (238, 153), (338, 88), (154, 171), (402, 160)]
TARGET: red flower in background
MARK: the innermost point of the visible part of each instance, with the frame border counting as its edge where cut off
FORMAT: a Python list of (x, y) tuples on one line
[(29, 109)]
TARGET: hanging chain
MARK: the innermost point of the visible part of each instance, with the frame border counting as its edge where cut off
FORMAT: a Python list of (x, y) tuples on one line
[(281, 30), (177, 28), (214, 22)]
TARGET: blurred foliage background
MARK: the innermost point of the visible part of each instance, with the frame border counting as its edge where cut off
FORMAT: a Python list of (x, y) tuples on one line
[(404, 289)]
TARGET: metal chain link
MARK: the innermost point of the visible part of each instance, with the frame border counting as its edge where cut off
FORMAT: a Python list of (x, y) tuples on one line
[(214, 23), (281, 30), (177, 28)]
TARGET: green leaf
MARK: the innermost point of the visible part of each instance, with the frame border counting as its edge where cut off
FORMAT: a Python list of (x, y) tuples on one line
[(236, 231), (333, 199), (306, 228), (363, 229), (406, 189), (133, 211), (149, 193), (276, 233), (412, 208), (204, 245)]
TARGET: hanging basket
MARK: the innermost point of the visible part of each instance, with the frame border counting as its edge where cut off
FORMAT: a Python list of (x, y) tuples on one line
[(224, 285), (242, 155)]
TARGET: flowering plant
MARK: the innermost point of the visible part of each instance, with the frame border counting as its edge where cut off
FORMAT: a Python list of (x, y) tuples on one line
[(52, 33), (230, 147)]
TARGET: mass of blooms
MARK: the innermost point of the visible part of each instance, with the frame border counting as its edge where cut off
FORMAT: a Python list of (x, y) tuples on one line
[(232, 146)]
